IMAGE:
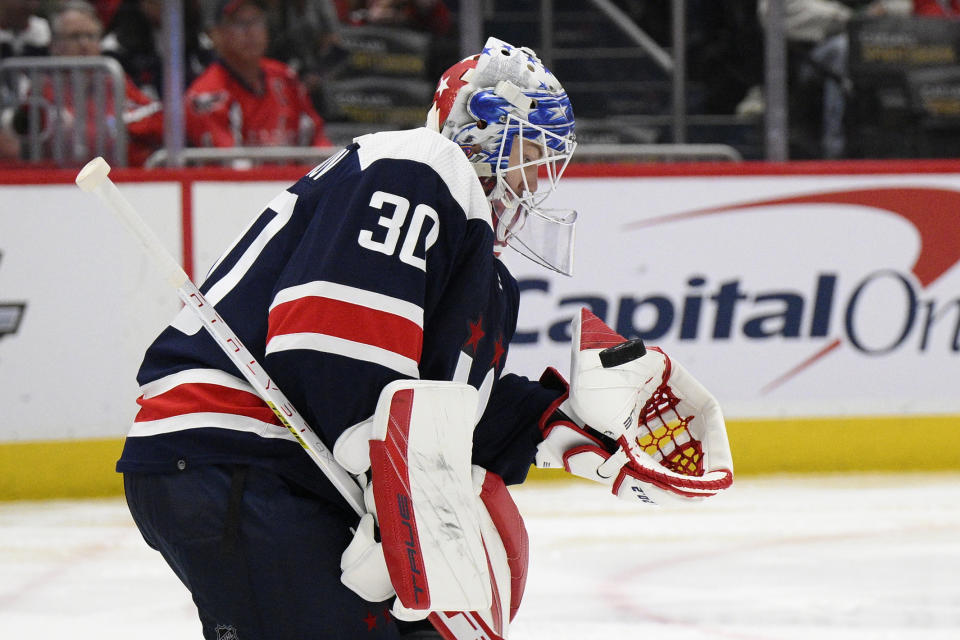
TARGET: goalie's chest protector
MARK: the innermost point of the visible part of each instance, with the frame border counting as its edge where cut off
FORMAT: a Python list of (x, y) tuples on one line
[(377, 265)]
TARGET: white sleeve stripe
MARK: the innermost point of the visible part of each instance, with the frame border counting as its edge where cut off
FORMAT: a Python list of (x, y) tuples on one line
[(346, 348), (195, 376), (464, 364), (442, 155), (283, 205), (202, 420), (141, 112), (353, 295)]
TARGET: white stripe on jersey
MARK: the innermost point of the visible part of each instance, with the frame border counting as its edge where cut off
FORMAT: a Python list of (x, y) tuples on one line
[(353, 295), (483, 397), (283, 204), (440, 154), (464, 364), (202, 420), (195, 376), (347, 348)]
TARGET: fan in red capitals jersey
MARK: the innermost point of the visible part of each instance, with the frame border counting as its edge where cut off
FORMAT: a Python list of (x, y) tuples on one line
[(76, 32), (243, 98), (379, 267)]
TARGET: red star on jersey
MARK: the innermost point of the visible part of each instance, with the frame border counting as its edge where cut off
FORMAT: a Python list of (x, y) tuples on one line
[(371, 621), (476, 333), (449, 86), (498, 352)]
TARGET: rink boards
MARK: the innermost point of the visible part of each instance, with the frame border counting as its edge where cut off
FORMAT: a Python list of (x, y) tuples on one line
[(819, 302)]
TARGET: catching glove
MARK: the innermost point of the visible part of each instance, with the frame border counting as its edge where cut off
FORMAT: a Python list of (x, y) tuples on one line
[(634, 420)]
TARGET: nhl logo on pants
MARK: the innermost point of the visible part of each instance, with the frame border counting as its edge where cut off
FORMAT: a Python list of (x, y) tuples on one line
[(226, 632)]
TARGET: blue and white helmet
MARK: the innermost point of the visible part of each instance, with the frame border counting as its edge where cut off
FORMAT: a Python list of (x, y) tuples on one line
[(488, 102)]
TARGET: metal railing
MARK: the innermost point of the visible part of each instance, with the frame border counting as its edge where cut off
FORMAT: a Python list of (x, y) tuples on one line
[(248, 157), (672, 63), (472, 16), (68, 109), (587, 153), (241, 157)]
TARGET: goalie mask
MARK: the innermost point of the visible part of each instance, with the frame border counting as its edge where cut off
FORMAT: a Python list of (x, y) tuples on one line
[(504, 103)]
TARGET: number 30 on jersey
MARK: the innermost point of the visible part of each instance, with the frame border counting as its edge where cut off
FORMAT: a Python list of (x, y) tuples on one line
[(393, 221)]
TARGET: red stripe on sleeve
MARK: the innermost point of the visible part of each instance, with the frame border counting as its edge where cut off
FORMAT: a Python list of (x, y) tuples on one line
[(204, 398), (348, 321)]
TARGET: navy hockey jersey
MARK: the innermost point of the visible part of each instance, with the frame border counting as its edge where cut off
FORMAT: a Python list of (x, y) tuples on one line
[(375, 266)]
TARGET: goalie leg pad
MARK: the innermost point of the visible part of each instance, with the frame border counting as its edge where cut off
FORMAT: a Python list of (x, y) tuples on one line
[(425, 502), (509, 529), (507, 547)]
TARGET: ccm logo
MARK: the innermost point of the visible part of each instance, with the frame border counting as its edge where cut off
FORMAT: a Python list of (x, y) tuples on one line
[(413, 553)]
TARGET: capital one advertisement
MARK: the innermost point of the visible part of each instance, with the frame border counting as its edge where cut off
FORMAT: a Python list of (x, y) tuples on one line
[(785, 295)]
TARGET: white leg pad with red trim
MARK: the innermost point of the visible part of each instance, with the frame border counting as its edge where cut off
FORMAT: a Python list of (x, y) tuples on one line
[(507, 546), (430, 524)]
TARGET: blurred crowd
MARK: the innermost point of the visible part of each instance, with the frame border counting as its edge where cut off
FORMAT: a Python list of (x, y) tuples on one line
[(253, 71), (260, 72), (828, 102)]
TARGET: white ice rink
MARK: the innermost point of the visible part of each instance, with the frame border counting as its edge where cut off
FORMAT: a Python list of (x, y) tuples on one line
[(850, 557)]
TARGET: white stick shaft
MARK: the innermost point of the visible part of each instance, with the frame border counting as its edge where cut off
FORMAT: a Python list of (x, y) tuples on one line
[(107, 191), (124, 211)]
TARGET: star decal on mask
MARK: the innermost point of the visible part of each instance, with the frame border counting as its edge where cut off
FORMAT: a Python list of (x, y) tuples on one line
[(557, 113), (455, 78), (443, 85)]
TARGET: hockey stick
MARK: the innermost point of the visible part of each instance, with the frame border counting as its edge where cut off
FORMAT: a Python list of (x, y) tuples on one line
[(93, 178)]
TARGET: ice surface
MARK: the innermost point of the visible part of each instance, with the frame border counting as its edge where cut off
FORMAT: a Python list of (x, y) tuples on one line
[(840, 557)]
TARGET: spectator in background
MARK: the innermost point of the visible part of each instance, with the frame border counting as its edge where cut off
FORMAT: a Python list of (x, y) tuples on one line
[(428, 16), (423, 15), (724, 51), (23, 32), (76, 31), (304, 34), (244, 98), (819, 28), (937, 8), (106, 9), (9, 147), (137, 40)]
